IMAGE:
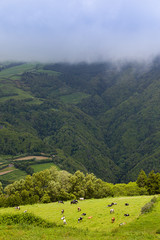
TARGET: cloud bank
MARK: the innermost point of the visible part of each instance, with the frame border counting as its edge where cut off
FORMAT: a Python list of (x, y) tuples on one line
[(79, 30)]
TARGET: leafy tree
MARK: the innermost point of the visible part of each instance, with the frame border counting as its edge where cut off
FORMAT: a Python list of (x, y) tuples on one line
[(77, 182), (1, 189), (142, 179), (153, 183)]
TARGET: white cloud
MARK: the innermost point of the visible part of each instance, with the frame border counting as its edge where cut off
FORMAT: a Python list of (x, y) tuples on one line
[(76, 30)]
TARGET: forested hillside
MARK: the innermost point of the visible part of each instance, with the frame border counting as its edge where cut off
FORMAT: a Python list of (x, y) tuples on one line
[(100, 118)]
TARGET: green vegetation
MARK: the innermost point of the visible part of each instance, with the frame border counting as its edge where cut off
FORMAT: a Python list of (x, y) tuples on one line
[(52, 185), (74, 98), (137, 226), (41, 167), (93, 117)]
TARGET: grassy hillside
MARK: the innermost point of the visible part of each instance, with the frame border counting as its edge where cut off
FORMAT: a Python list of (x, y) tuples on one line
[(137, 226)]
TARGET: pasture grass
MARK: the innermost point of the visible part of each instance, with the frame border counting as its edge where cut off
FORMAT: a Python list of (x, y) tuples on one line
[(13, 176), (16, 70), (74, 98), (137, 226), (49, 72), (40, 167)]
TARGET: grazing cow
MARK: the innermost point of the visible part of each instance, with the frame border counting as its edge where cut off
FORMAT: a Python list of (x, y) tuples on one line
[(79, 209), (90, 217), (81, 198), (60, 202), (64, 221), (126, 204), (62, 218), (112, 210), (110, 205), (121, 224), (80, 219), (113, 220), (25, 211), (126, 215), (62, 211), (18, 208), (83, 214), (74, 202)]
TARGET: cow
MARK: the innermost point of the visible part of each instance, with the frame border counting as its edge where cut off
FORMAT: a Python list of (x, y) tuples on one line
[(81, 198), (79, 209), (64, 221), (83, 214), (80, 219), (62, 218), (62, 211), (126, 204), (60, 202), (112, 210), (113, 219), (18, 208), (121, 224), (126, 215), (74, 202), (90, 217), (110, 205)]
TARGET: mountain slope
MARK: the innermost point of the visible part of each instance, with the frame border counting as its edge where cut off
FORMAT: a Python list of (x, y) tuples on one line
[(97, 117)]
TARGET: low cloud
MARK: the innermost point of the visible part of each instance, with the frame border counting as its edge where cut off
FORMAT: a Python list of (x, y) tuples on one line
[(86, 30)]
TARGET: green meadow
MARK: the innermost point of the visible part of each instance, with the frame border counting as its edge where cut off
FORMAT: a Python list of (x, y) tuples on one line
[(74, 98), (99, 226), (40, 167), (16, 70)]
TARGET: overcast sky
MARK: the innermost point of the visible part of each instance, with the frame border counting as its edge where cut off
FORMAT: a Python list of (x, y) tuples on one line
[(79, 30)]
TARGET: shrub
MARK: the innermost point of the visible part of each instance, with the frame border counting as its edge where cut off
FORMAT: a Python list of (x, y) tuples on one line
[(25, 218), (154, 199), (158, 231), (147, 207)]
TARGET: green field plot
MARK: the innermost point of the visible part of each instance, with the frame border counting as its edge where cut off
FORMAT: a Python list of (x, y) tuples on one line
[(16, 70), (49, 72), (74, 97), (8, 91), (13, 176), (41, 167)]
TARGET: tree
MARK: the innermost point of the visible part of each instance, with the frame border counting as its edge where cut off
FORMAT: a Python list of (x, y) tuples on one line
[(142, 179), (77, 182), (1, 189), (153, 183)]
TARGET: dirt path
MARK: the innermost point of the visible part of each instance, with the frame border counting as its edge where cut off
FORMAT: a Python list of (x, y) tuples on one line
[(31, 157), (5, 172)]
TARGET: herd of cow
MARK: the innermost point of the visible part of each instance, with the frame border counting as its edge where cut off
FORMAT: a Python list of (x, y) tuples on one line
[(84, 214)]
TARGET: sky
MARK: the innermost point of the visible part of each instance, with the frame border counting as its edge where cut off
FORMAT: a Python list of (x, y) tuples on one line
[(79, 30)]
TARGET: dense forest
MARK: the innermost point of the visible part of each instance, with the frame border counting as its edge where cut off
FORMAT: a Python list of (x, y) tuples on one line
[(101, 118)]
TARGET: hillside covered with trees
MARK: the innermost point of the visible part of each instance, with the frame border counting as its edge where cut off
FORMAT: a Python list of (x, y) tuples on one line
[(101, 118)]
